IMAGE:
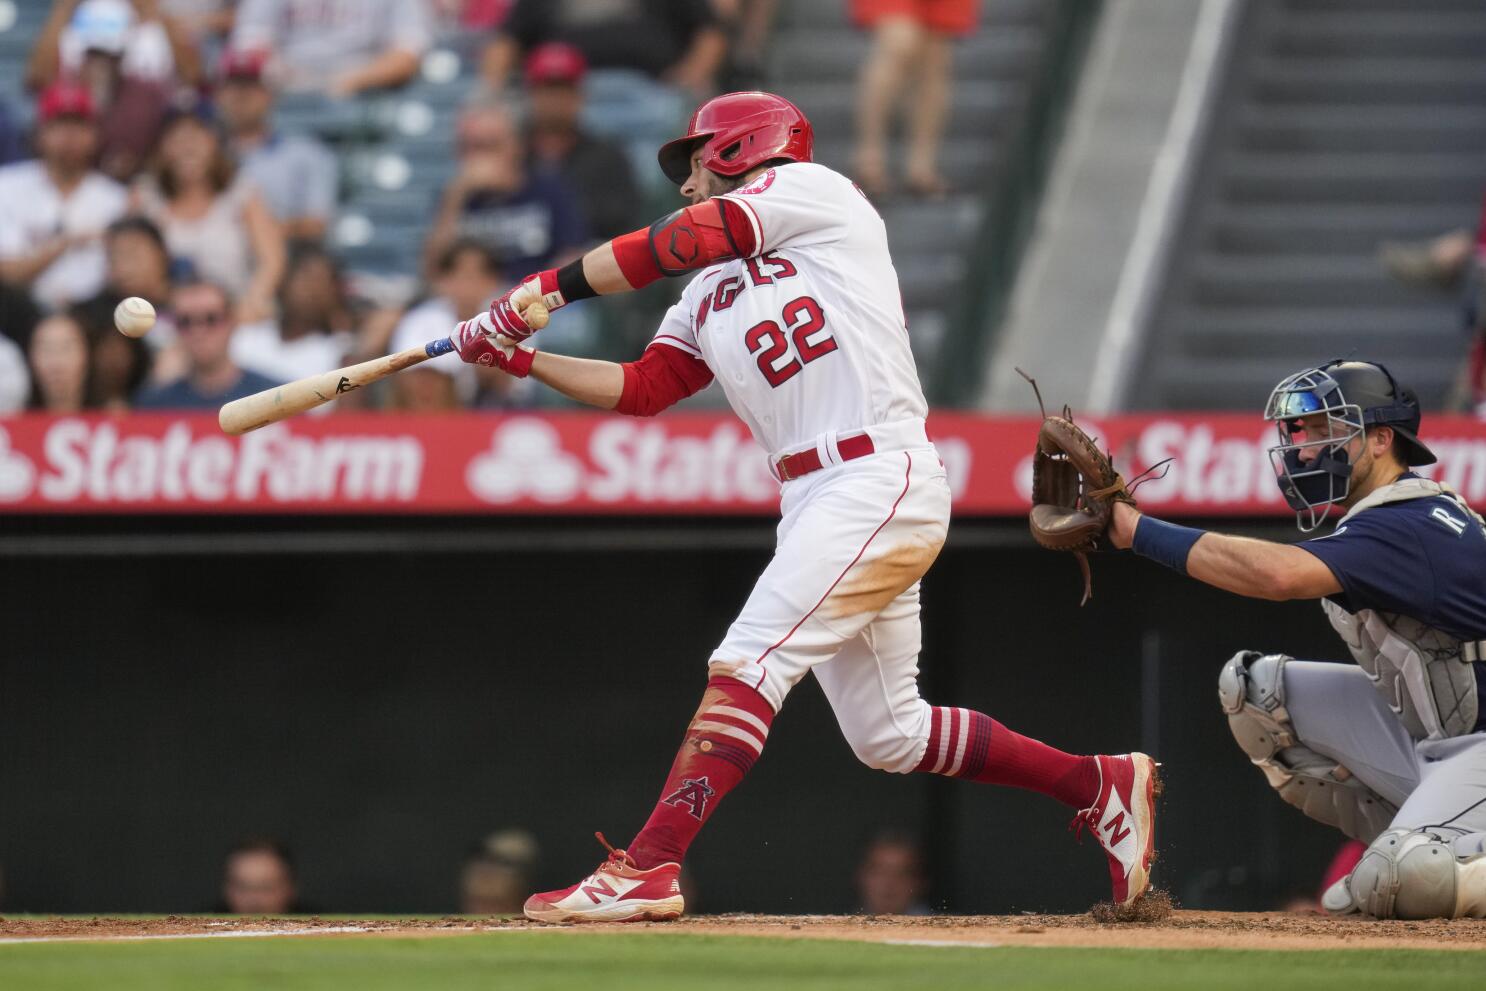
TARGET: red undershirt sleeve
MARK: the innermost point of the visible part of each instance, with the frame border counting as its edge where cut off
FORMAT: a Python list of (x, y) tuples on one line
[(661, 378)]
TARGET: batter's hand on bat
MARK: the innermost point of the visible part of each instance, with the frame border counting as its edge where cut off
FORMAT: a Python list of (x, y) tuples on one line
[(477, 347)]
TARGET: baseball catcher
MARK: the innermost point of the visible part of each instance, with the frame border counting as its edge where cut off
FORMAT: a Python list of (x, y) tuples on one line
[(1390, 750)]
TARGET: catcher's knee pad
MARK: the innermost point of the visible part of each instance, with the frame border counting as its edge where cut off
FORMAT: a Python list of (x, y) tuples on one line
[(1251, 688), (1417, 874)]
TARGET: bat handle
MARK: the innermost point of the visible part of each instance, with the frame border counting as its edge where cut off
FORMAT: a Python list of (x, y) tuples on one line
[(441, 346)]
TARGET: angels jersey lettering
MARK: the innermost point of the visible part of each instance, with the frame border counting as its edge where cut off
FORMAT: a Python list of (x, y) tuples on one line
[(808, 336)]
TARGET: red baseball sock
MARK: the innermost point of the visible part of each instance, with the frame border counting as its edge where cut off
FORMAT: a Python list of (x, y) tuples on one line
[(724, 739), (966, 744)]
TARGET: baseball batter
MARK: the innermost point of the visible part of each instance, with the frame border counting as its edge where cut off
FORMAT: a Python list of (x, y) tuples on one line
[(1392, 750), (793, 308)]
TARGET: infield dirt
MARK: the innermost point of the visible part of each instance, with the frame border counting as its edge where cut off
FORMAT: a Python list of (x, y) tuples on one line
[(1180, 930)]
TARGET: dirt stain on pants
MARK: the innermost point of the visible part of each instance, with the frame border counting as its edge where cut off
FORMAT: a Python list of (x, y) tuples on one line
[(871, 585)]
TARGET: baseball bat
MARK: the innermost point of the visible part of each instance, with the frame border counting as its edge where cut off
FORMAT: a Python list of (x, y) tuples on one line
[(283, 401)]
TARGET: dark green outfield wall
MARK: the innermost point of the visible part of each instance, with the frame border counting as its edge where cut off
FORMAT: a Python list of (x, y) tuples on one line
[(381, 711)]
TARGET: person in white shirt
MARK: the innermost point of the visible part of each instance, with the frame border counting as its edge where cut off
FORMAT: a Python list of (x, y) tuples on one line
[(54, 209), (467, 279), (793, 308), (152, 44), (313, 331), (340, 48)]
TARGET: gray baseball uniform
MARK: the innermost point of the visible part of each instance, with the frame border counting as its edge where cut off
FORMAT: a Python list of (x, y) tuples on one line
[(1392, 751)]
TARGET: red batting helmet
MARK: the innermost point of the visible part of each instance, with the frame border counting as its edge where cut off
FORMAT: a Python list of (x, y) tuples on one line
[(738, 131)]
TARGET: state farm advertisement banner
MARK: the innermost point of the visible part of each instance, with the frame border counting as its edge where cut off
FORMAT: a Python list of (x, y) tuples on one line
[(696, 464)]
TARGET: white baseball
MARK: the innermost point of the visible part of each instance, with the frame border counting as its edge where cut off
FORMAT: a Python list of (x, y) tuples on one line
[(134, 317)]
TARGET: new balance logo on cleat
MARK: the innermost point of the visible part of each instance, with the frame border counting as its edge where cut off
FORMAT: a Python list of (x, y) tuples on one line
[(595, 887), (1116, 829), (619, 891)]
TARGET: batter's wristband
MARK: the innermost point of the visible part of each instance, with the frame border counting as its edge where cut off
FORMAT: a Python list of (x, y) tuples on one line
[(1165, 543), (572, 283)]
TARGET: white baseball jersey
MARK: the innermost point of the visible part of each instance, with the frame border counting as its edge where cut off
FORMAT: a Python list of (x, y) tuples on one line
[(808, 338)]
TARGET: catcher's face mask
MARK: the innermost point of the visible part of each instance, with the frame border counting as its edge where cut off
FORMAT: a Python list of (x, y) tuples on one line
[(1317, 427)]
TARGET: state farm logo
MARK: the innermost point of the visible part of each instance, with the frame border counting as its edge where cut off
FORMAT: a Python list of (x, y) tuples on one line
[(17, 474), (525, 459), (621, 461), (104, 463)]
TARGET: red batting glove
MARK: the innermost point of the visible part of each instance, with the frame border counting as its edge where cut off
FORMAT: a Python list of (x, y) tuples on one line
[(505, 317), (477, 347)]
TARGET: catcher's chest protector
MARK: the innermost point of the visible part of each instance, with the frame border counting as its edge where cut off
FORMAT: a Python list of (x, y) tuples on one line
[(1424, 674)]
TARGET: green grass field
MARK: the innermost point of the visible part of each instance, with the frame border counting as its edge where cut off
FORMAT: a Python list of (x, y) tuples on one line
[(657, 961)]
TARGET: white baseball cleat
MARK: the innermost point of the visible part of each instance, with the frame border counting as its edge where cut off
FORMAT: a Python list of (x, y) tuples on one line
[(617, 892), (1123, 820)]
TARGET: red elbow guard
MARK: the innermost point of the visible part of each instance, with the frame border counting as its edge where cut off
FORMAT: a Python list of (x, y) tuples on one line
[(689, 239)]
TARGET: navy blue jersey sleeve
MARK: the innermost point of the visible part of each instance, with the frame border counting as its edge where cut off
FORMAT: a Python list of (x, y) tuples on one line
[(1379, 562)]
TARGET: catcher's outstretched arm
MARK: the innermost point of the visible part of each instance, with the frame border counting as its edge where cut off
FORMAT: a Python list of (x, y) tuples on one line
[(1260, 569)]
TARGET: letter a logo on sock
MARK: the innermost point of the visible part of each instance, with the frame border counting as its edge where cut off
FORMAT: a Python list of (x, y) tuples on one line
[(691, 796)]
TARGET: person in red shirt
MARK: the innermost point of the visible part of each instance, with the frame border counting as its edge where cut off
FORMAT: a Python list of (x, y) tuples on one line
[(912, 46)]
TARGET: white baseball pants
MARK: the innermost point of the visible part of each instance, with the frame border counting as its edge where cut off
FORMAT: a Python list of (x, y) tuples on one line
[(841, 598)]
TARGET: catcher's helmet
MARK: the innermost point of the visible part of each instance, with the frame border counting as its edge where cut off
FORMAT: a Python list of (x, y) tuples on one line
[(1355, 395), (738, 131)]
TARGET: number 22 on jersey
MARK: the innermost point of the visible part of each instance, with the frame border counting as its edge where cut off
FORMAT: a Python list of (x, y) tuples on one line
[(804, 328)]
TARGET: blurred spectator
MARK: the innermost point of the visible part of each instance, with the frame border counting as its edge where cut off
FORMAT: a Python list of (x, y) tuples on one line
[(150, 45), (679, 42), (296, 174), (484, 15), (599, 172), (18, 312), (258, 879), (118, 365), (202, 20), (138, 265), (339, 48), (530, 219), (467, 279), (1454, 260), (1441, 261), (11, 144), (130, 102), (53, 209), (203, 319), (496, 878), (212, 216), (890, 880), (750, 22), (59, 365), (313, 331), (912, 41), (15, 381)]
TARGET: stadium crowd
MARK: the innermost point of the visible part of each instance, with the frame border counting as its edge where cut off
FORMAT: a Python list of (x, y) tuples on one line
[(153, 168), (152, 164)]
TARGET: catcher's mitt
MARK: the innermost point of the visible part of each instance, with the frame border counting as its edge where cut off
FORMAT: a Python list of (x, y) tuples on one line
[(1074, 489)]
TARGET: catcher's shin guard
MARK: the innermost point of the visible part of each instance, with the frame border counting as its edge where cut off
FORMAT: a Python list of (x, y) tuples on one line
[(1251, 688), (1415, 874)]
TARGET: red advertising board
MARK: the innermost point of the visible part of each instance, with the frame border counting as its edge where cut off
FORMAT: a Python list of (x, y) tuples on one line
[(582, 463)]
